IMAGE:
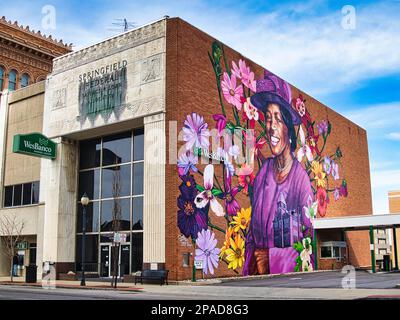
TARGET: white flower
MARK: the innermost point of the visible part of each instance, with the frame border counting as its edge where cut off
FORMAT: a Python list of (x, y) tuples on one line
[(207, 196), (311, 209), (304, 148)]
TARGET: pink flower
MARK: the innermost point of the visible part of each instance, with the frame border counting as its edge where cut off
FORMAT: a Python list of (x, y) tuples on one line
[(243, 72), (304, 150), (232, 94), (250, 140), (221, 122), (251, 113), (246, 177), (195, 132), (335, 171)]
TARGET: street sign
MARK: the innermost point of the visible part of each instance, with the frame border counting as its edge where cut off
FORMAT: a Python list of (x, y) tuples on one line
[(198, 264), (34, 144), (23, 245)]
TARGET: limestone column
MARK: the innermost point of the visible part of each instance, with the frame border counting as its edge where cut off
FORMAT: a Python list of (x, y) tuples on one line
[(58, 191), (3, 138), (154, 192)]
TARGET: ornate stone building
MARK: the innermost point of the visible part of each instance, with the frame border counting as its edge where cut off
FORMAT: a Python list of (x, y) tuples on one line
[(26, 56)]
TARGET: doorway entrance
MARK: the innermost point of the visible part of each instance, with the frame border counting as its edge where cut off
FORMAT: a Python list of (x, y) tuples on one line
[(108, 254)]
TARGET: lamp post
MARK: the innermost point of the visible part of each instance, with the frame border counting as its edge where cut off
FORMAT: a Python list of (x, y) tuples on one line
[(85, 202)]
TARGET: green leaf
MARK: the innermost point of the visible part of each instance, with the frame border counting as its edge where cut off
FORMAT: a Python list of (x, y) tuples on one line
[(200, 188), (298, 246), (216, 192)]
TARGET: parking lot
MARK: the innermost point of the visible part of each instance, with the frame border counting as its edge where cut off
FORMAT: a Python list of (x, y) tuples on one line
[(363, 280)]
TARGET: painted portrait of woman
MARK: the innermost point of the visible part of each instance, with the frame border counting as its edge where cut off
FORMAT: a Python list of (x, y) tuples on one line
[(281, 187)]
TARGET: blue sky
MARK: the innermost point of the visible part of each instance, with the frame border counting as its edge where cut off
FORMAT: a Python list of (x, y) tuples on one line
[(355, 72)]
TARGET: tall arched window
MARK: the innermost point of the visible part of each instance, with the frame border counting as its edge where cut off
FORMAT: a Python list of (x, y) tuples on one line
[(1, 78), (12, 80), (24, 80)]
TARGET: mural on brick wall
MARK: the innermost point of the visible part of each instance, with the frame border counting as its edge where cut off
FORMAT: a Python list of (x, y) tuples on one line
[(270, 231)]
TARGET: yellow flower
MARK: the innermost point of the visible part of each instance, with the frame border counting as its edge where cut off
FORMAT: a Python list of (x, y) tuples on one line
[(319, 174), (242, 219), (235, 254), (228, 239)]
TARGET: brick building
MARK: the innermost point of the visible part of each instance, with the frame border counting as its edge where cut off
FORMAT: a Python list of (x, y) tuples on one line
[(394, 208), (26, 56), (115, 111)]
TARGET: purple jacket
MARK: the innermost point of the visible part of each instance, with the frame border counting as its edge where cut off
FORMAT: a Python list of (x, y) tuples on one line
[(295, 191)]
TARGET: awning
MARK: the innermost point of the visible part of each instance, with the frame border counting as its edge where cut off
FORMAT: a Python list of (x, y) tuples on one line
[(358, 222)]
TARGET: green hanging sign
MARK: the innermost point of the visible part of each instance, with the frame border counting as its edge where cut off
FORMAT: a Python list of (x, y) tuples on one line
[(34, 144)]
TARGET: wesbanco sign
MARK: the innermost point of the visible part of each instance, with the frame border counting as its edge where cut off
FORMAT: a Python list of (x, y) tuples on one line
[(34, 144)]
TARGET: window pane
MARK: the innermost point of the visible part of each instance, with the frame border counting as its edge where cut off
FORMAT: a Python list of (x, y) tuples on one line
[(92, 217), (91, 252), (326, 252), (17, 195), (137, 251), (89, 182), (117, 149), (90, 154), (1, 78), (8, 196), (114, 176), (138, 178), (138, 145), (24, 80), (336, 252), (27, 194), (12, 80), (137, 208), (35, 192), (107, 209)]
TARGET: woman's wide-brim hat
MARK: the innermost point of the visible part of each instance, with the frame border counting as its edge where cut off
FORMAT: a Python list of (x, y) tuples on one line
[(273, 89)]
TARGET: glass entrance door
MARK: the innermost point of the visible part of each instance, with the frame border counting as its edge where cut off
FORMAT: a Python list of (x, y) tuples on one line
[(108, 254), (105, 260)]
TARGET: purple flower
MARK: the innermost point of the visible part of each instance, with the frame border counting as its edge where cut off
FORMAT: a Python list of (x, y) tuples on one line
[(191, 220), (335, 171), (343, 189), (186, 162), (323, 127), (336, 194), (188, 186), (207, 251), (195, 132), (232, 206), (221, 122), (327, 165)]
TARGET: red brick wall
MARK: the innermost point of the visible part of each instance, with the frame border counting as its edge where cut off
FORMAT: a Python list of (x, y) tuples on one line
[(191, 87)]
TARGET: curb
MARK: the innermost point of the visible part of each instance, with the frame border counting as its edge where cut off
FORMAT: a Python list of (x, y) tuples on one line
[(107, 288)]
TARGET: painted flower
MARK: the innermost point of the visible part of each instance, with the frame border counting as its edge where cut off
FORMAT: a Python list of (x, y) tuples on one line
[(323, 127), (246, 177), (235, 254), (206, 251), (322, 199), (228, 239), (336, 194), (312, 141), (242, 220), (188, 186), (234, 151), (207, 196), (319, 174), (251, 113), (335, 171), (328, 165), (232, 94), (305, 255), (245, 74), (187, 162), (299, 105), (191, 220), (304, 150), (311, 209), (195, 132), (343, 189), (250, 140), (221, 122), (231, 204)]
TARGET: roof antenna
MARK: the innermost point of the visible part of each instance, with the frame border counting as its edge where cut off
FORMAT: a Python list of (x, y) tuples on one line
[(123, 25)]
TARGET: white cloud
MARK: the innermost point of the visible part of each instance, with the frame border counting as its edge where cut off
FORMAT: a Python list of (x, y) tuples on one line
[(394, 136), (382, 182)]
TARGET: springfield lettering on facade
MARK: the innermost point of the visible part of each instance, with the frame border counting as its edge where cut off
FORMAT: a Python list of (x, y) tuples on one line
[(34, 144), (102, 90)]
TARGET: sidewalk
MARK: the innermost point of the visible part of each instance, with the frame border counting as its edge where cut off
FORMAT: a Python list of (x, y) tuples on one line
[(90, 285)]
